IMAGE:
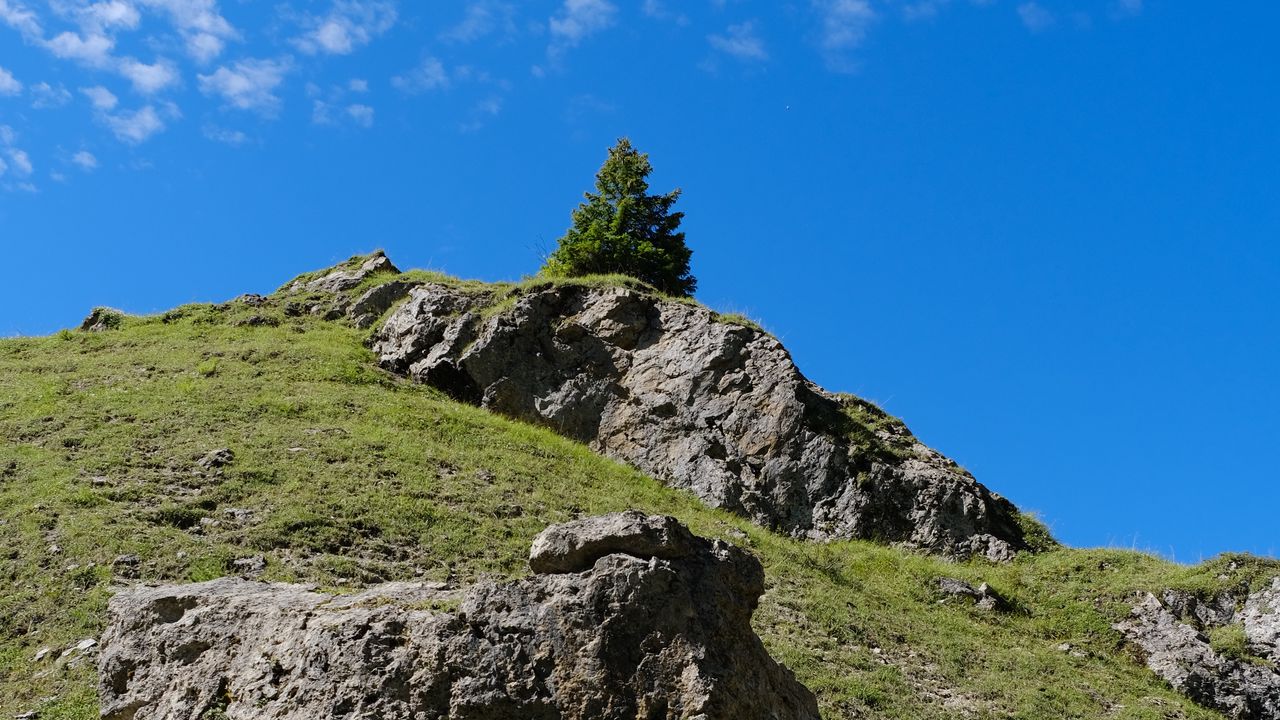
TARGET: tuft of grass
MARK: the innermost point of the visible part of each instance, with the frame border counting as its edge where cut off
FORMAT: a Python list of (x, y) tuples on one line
[(208, 368), (733, 318), (872, 431), (1036, 534), (1229, 641)]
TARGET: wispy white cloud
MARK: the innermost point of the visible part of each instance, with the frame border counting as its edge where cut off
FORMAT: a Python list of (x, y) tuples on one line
[(923, 9), (234, 138), (45, 96), (348, 25), (358, 85), (149, 79), (482, 18), (740, 41), (844, 25), (110, 14), (587, 105), (100, 97), (430, 74), (85, 160), (91, 48), (20, 162), (322, 113), (135, 127), (1035, 16), (20, 18), (1129, 7), (248, 84), (481, 113), (658, 10), (9, 85), (204, 30), (578, 20), (361, 114)]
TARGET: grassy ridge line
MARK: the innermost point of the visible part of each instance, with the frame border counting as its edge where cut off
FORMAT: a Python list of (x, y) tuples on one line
[(355, 477)]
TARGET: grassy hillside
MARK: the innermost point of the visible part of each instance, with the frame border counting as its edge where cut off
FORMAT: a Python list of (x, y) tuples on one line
[(344, 476)]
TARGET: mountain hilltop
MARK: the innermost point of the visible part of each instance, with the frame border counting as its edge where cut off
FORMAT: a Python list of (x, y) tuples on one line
[(338, 432)]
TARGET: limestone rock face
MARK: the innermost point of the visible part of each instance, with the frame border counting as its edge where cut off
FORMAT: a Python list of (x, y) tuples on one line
[(1261, 620), (716, 408), (639, 619), (1172, 635)]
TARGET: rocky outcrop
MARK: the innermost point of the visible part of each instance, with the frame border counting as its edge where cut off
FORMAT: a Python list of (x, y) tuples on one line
[(716, 408), (1173, 635), (631, 617), (332, 294), (984, 597), (102, 319), (346, 276)]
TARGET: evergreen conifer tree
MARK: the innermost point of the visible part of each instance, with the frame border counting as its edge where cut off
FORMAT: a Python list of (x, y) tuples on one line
[(623, 229)]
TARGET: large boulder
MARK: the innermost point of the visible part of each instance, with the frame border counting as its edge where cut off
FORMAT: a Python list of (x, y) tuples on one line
[(702, 404), (634, 618), (1173, 635)]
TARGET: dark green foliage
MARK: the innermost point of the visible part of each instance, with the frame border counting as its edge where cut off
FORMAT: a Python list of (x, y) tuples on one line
[(623, 229)]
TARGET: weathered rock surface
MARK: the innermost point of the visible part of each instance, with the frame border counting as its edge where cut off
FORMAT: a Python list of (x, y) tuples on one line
[(344, 278), (716, 408), (1172, 636), (984, 596), (367, 308), (1261, 620), (640, 619)]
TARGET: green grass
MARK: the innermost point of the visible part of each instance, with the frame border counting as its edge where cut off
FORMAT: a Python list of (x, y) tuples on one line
[(355, 477), (733, 318)]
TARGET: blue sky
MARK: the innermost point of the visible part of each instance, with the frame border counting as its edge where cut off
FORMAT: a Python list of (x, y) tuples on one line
[(1042, 232)]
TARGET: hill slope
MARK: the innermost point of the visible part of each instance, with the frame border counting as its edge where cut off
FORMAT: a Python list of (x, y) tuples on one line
[(343, 475)]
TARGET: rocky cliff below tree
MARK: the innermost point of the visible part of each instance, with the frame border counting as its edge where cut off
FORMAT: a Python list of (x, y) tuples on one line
[(706, 405), (628, 616)]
